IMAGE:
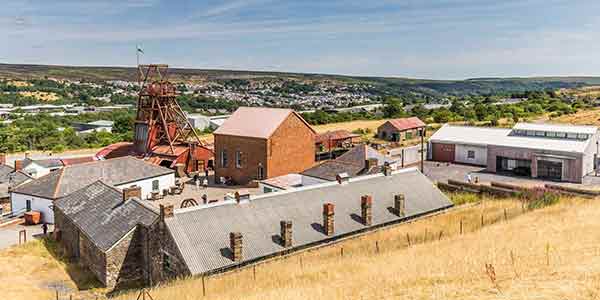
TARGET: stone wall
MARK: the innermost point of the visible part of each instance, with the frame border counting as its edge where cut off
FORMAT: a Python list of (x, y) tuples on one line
[(159, 247), (93, 258), (69, 234), (124, 262)]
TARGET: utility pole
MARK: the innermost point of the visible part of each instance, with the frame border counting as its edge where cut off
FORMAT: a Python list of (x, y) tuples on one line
[(422, 148)]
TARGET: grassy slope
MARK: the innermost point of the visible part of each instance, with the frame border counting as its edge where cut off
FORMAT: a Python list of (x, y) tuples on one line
[(554, 256)]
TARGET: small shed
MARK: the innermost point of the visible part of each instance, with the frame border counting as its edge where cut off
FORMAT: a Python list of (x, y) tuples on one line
[(402, 129)]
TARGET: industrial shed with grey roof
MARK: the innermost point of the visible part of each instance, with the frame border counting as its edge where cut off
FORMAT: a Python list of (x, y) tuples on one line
[(201, 233)]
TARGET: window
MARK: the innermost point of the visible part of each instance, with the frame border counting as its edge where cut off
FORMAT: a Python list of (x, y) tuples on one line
[(224, 159), (571, 135), (408, 135), (238, 159), (471, 154), (561, 135), (551, 134), (267, 190), (582, 136), (155, 185), (540, 133), (167, 263), (530, 132)]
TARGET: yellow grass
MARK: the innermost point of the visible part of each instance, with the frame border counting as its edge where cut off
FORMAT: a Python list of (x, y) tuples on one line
[(350, 126), (34, 271), (582, 117), (18, 83), (42, 96), (551, 253)]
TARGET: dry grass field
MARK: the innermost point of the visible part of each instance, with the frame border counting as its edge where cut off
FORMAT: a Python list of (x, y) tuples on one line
[(582, 117), (34, 271), (551, 253), (41, 96)]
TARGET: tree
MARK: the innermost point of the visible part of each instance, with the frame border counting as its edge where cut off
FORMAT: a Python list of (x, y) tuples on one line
[(392, 107)]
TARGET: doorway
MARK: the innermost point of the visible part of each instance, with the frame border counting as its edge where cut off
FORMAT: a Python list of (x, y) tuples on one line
[(549, 170)]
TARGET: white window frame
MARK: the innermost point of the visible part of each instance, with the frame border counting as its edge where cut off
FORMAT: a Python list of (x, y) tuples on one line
[(223, 158), (469, 152), (238, 159)]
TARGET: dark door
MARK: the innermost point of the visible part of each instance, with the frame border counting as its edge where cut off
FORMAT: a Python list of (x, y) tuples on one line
[(549, 170), (443, 152), (28, 205)]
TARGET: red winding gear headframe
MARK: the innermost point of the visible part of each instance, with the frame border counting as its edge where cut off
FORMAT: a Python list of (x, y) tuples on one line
[(162, 132)]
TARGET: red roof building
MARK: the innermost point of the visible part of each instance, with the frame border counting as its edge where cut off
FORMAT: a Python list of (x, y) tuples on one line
[(398, 130), (336, 139)]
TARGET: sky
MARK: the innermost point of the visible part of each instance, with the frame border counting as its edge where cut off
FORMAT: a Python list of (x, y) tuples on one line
[(437, 39)]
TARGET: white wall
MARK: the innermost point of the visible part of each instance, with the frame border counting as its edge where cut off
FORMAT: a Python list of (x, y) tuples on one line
[(460, 155), (19, 202), (588, 156), (164, 182), (36, 171)]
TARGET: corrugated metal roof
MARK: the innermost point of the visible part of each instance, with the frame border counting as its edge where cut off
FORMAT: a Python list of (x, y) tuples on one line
[(335, 135), (71, 178), (202, 234), (565, 128), (501, 137), (100, 212), (407, 123), (259, 122), (352, 162)]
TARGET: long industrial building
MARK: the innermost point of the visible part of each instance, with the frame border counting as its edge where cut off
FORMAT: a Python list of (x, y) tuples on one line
[(546, 151)]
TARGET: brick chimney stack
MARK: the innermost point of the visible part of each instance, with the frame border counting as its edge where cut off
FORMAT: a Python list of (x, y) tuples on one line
[(235, 242), (132, 192), (399, 205), (328, 215), (371, 163), (2, 158), (166, 211), (18, 164), (366, 205), (286, 233)]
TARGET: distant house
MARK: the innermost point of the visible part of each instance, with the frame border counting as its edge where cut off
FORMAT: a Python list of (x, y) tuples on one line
[(336, 139), (95, 126), (360, 160), (40, 194), (39, 167), (10, 179), (260, 143), (398, 130)]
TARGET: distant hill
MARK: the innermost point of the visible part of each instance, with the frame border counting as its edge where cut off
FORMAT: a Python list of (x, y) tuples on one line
[(381, 85)]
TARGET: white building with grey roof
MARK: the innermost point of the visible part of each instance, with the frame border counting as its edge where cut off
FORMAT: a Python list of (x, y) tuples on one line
[(547, 151), (40, 194)]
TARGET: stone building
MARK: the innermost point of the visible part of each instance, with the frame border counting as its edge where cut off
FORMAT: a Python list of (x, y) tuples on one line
[(260, 143), (398, 130), (124, 242)]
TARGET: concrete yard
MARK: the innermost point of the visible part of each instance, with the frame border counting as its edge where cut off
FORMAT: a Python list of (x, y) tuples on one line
[(9, 234), (438, 171)]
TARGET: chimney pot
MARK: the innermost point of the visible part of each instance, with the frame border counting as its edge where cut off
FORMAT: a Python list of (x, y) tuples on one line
[(2, 158), (328, 218), (366, 205), (235, 243), (387, 169), (400, 205), (342, 178), (132, 192), (166, 211), (371, 163), (242, 196)]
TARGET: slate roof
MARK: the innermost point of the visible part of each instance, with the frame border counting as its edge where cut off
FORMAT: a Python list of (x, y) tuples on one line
[(258, 122), (352, 162), (18, 177), (99, 211), (406, 123), (202, 234), (46, 163), (335, 135), (71, 178)]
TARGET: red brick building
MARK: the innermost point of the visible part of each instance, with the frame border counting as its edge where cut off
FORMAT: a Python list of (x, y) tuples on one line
[(398, 130), (259, 143)]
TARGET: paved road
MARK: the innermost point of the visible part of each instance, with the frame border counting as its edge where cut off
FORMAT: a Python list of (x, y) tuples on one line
[(9, 235)]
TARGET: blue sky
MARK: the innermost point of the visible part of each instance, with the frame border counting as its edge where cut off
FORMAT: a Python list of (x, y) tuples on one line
[(440, 39)]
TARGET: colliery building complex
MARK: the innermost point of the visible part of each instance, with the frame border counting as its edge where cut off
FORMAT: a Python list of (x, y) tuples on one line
[(123, 241), (545, 151)]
